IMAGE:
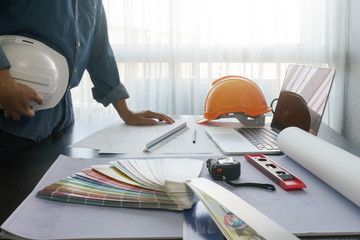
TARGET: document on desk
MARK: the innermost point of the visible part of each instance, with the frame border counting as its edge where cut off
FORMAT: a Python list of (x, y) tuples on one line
[(159, 185), (163, 139), (236, 218), (38, 218)]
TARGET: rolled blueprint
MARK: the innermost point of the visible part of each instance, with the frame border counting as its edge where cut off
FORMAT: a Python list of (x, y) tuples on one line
[(335, 166)]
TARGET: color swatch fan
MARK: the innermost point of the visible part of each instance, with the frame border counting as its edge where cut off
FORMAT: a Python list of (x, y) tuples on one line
[(133, 183)]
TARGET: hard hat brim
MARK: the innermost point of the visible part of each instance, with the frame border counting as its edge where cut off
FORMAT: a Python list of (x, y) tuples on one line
[(202, 120)]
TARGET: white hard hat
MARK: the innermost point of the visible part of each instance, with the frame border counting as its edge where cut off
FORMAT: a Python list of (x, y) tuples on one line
[(37, 66)]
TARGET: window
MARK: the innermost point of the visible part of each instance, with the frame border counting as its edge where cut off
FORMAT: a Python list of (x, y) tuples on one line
[(170, 51)]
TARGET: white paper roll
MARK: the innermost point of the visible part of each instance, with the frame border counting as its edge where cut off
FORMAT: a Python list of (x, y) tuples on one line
[(338, 168)]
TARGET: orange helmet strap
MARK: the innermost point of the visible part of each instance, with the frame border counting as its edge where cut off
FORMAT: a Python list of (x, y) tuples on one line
[(246, 120)]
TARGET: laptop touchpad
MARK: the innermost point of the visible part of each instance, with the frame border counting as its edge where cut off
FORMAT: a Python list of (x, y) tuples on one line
[(225, 134)]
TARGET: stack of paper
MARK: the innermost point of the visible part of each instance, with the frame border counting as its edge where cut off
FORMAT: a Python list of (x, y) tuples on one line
[(123, 138), (135, 183), (236, 218)]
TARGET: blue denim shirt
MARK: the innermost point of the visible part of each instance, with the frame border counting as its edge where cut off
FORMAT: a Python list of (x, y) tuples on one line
[(77, 29)]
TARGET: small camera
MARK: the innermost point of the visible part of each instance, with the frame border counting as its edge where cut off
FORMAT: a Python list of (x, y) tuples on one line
[(223, 168)]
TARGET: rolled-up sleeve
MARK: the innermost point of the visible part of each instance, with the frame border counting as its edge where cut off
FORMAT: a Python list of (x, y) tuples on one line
[(4, 62), (102, 66)]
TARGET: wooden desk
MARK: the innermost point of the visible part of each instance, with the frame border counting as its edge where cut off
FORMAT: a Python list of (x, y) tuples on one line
[(21, 171)]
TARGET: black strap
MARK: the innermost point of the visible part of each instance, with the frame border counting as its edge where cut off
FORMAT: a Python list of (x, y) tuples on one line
[(259, 185), (272, 103)]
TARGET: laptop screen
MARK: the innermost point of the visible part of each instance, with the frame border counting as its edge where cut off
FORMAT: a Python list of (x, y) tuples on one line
[(303, 98)]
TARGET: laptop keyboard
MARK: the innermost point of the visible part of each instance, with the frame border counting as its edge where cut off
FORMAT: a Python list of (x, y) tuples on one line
[(262, 138)]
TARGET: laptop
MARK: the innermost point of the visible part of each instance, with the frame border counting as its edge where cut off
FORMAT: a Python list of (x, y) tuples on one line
[(301, 103)]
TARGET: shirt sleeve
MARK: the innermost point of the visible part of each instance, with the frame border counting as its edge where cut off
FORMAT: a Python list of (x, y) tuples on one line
[(102, 65), (4, 62)]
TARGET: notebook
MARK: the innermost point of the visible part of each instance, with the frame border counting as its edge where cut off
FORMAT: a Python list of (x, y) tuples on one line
[(301, 103)]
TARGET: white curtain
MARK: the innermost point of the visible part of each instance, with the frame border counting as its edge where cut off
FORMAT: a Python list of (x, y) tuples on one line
[(170, 51)]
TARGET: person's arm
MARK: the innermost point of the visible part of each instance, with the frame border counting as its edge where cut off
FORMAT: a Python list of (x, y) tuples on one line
[(104, 74), (15, 98), (139, 118)]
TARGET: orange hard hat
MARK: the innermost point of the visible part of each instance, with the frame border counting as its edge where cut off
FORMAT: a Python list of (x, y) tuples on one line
[(233, 94)]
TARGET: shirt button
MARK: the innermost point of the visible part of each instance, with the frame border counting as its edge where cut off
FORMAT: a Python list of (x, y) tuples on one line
[(75, 69), (78, 44)]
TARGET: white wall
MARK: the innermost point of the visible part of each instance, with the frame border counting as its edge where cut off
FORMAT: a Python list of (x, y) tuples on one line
[(352, 96)]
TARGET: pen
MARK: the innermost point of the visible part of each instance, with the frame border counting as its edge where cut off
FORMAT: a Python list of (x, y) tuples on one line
[(194, 137)]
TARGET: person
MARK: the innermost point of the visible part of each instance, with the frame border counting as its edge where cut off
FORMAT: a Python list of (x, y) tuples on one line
[(77, 29)]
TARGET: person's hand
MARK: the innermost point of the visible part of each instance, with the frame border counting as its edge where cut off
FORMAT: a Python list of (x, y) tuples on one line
[(140, 118), (15, 98), (147, 118)]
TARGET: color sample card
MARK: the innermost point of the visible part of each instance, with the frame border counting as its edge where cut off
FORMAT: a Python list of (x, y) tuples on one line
[(134, 183)]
